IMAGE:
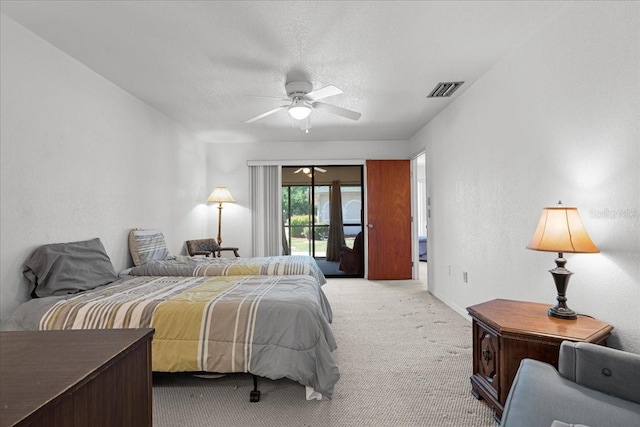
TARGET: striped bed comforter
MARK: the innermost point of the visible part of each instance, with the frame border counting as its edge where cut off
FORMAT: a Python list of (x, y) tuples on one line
[(271, 326), (256, 266)]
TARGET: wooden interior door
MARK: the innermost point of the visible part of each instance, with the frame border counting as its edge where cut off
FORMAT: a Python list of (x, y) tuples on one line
[(389, 219)]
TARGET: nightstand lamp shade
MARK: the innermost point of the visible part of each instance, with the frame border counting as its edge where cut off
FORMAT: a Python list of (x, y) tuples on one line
[(560, 230), (220, 195)]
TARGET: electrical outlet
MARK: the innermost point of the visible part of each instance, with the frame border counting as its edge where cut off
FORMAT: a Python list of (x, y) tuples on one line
[(464, 277)]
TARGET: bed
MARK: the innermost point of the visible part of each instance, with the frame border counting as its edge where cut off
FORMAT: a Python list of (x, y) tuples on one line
[(270, 326), (254, 266), (151, 258)]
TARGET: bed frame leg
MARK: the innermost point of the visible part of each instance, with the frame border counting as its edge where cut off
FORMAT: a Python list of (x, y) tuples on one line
[(254, 396)]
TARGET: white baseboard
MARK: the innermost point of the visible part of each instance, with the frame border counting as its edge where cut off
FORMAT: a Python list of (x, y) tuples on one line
[(460, 310)]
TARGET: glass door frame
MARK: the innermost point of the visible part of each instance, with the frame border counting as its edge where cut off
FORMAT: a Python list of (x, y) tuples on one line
[(313, 209)]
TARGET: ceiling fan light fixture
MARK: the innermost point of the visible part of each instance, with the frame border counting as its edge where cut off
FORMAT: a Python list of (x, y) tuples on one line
[(299, 110), (303, 100)]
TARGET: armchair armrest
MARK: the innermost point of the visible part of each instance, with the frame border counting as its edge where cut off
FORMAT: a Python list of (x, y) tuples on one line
[(205, 253), (235, 251), (600, 368)]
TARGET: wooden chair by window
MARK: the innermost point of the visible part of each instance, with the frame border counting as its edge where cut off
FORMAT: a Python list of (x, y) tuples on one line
[(208, 247)]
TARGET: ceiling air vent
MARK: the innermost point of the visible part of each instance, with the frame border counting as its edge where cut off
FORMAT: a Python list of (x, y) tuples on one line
[(443, 90)]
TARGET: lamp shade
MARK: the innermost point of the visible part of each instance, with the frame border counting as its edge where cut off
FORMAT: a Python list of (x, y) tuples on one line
[(221, 195), (560, 230)]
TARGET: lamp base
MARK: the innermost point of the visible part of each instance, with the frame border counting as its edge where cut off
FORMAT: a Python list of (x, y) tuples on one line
[(561, 278), (219, 239), (562, 312)]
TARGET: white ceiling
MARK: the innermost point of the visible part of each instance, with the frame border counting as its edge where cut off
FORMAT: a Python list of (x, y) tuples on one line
[(200, 62)]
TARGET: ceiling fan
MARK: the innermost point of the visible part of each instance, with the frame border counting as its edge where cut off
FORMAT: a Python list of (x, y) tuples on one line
[(302, 99), (306, 170)]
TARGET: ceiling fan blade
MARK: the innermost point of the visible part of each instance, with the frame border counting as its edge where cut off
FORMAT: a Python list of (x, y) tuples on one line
[(324, 92), (319, 169), (280, 98), (299, 170), (339, 111), (268, 113)]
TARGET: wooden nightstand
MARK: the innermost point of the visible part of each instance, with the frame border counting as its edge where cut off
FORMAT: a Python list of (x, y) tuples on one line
[(505, 332)]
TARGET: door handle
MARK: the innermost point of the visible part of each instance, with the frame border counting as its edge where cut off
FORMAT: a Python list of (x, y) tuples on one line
[(370, 225)]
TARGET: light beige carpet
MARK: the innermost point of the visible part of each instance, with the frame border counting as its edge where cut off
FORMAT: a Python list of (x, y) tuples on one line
[(404, 358)]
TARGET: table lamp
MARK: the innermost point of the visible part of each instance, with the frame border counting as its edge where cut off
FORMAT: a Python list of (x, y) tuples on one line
[(220, 195), (560, 230)]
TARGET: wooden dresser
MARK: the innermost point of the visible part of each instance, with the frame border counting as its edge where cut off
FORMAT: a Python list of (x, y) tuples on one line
[(505, 332), (76, 378)]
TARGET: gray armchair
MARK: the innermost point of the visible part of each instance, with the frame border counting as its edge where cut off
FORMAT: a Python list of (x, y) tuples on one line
[(594, 386), (208, 247)]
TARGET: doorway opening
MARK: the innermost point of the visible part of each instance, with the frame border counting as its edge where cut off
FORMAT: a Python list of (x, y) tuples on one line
[(421, 213), (315, 226)]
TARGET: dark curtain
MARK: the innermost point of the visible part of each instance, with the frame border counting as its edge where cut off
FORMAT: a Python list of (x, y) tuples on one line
[(336, 227), (285, 243)]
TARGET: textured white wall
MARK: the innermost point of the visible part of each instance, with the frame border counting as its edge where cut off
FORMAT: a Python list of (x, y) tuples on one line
[(228, 166), (558, 118), (81, 159)]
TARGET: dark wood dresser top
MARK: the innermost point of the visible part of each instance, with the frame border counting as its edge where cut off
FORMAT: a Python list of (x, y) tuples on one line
[(38, 367)]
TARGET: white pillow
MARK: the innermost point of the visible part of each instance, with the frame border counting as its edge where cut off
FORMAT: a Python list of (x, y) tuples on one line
[(147, 245)]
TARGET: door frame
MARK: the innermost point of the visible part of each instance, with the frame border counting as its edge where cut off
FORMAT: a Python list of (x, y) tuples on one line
[(322, 163)]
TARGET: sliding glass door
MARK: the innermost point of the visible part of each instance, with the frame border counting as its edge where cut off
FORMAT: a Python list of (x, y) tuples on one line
[(306, 205)]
